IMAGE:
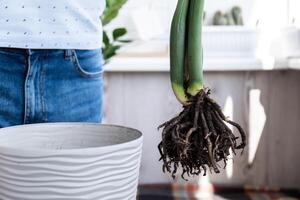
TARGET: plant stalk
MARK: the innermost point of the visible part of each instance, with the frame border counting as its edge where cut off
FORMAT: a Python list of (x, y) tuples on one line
[(195, 50)]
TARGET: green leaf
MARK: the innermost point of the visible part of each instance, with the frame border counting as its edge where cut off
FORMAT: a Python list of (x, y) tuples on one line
[(110, 51), (105, 39), (119, 32), (115, 3), (109, 17), (111, 3), (112, 10), (124, 41)]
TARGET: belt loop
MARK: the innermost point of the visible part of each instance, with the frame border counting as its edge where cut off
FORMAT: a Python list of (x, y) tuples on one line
[(68, 53)]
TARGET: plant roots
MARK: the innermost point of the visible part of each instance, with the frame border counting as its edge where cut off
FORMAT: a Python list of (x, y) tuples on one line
[(198, 138)]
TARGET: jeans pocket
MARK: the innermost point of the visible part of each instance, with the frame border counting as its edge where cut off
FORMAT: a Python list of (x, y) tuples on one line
[(88, 63)]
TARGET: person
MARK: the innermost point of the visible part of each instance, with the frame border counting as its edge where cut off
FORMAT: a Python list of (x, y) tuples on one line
[(50, 61)]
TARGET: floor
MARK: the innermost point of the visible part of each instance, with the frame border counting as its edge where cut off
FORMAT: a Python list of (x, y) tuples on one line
[(210, 192)]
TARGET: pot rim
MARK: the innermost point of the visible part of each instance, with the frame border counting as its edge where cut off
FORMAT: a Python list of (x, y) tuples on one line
[(76, 151)]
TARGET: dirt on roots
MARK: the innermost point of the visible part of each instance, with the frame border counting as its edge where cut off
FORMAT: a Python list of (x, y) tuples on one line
[(198, 138)]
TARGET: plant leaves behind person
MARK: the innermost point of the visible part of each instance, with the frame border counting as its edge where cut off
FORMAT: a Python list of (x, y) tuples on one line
[(109, 51), (111, 10), (119, 32), (105, 39), (198, 137), (110, 46)]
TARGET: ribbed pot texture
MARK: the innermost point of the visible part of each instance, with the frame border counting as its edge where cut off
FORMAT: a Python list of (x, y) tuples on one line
[(69, 161)]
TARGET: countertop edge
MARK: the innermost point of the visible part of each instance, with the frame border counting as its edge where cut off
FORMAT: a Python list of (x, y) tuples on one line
[(161, 64)]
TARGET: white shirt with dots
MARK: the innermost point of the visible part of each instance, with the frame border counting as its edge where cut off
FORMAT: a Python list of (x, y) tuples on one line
[(51, 24)]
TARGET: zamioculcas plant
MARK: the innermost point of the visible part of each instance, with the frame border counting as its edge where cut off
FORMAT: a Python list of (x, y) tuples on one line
[(198, 138)]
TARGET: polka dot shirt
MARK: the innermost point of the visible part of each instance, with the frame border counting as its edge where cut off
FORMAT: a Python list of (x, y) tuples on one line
[(51, 24)]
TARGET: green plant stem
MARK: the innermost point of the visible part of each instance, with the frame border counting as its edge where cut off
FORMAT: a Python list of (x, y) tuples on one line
[(177, 50), (195, 51)]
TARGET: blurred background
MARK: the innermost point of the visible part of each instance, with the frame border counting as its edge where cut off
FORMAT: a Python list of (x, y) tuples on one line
[(252, 68)]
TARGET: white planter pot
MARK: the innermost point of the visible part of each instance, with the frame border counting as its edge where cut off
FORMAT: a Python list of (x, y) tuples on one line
[(74, 161)]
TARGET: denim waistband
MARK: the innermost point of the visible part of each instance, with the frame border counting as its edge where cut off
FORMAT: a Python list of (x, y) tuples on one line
[(35, 51)]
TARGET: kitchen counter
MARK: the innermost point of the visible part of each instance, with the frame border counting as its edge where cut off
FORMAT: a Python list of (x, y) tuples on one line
[(161, 64), (225, 49)]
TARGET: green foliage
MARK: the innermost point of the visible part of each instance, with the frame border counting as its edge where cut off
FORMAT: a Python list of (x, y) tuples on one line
[(112, 10), (119, 32), (113, 43)]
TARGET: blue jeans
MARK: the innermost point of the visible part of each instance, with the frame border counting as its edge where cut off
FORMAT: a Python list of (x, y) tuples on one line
[(39, 86)]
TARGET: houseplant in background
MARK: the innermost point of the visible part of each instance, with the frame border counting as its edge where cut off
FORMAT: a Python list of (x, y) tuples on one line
[(112, 42), (232, 18), (228, 35), (198, 138)]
